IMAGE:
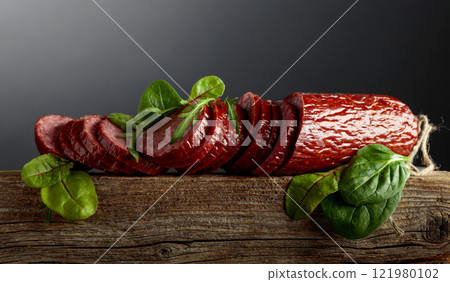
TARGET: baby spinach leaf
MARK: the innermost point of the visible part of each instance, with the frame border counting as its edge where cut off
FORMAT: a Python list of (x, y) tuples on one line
[(45, 170), (120, 120), (355, 222), (73, 197), (207, 87), (160, 95), (205, 90), (374, 175), (308, 190)]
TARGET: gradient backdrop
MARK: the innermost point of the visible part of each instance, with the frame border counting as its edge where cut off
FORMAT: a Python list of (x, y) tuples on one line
[(67, 57)]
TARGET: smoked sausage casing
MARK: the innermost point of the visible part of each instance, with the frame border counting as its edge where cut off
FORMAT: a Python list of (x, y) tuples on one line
[(333, 127)]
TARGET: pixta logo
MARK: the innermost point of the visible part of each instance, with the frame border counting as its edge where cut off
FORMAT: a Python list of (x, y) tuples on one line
[(150, 132)]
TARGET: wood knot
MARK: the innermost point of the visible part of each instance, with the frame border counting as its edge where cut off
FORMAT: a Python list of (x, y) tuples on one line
[(165, 251), (437, 228)]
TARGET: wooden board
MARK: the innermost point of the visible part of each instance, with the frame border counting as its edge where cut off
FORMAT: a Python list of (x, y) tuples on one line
[(214, 219)]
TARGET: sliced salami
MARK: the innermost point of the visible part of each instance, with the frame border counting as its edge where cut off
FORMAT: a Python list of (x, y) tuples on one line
[(251, 104), (217, 139), (180, 153), (89, 138), (285, 143), (233, 140), (65, 142), (47, 132), (81, 154), (261, 133), (271, 143), (109, 136)]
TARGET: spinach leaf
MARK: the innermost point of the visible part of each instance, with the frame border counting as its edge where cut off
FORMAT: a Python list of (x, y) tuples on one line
[(73, 197), (232, 115), (45, 170), (355, 222), (374, 175), (308, 190), (160, 95), (205, 90), (120, 120), (207, 87)]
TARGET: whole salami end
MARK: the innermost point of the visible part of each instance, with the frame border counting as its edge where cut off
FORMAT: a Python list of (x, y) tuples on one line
[(335, 126), (46, 133)]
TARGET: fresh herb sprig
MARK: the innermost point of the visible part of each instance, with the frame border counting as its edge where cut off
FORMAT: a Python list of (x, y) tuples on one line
[(356, 198)]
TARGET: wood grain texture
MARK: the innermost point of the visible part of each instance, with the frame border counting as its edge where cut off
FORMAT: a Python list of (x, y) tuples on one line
[(214, 218)]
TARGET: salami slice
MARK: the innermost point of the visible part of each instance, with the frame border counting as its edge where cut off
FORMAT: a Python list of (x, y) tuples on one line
[(186, 150), (250, 104), (285, 143), (260, 135), (335, 126), (219, 116), (64, 139), (109, 136), (233, 140), (46, 134), (88, 133), (81, 155)]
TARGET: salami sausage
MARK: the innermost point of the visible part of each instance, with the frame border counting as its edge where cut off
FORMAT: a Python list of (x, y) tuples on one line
[(109, 136), (180, 153), (88, 136), (316, 132), (46, 134), (260, 132), (274, 134), (333, 127), (285, 143), (233, 140), (219, 116)]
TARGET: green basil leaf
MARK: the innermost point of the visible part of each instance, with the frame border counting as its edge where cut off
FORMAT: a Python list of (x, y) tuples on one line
[(45, 170), (374, 175), (355, 222), (308, 190), (120, 120), (160, 95), (73, 197), (233, 116), (207, 87)]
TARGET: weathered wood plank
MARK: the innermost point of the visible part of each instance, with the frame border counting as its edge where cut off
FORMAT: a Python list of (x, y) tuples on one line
[(214, 218)]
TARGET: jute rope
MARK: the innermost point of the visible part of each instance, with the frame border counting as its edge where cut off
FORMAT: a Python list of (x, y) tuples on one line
[(422, 145), (425, 129)]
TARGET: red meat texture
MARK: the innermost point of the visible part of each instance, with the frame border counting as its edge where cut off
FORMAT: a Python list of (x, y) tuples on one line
[(305, 132)]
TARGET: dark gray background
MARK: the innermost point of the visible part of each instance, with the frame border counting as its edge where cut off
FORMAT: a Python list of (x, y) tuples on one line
[(67, 57)]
